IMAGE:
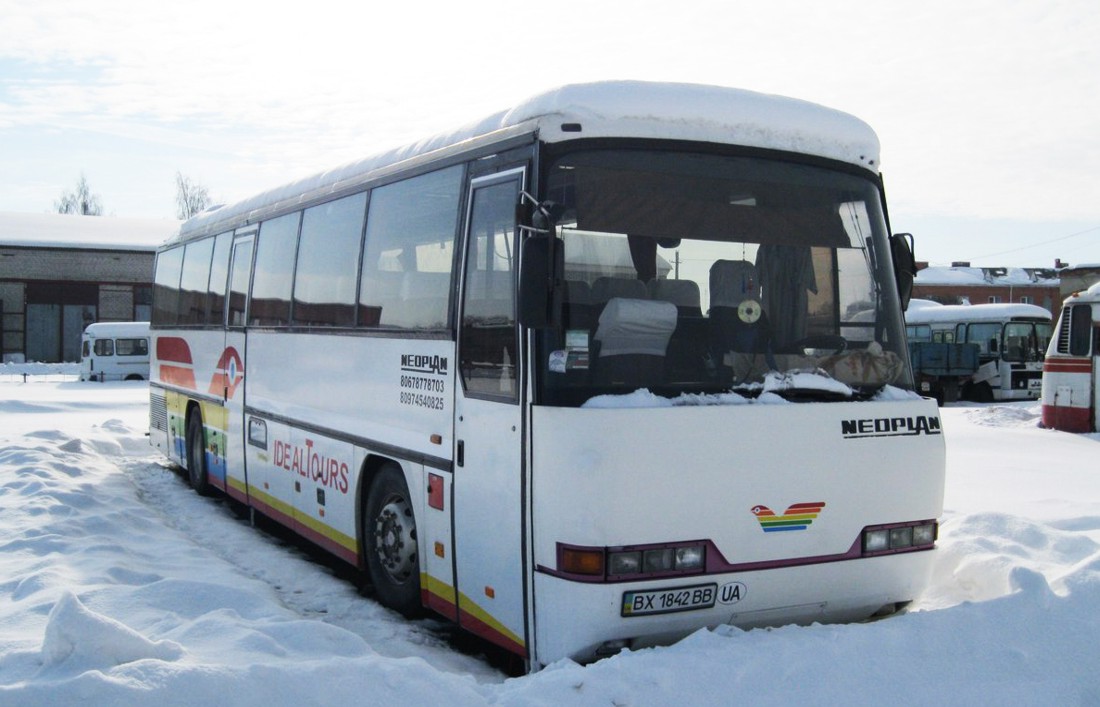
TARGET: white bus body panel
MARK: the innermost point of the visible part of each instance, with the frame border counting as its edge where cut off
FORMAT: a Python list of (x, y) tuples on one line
[(1071, 386), (348, 398), (610, 477)]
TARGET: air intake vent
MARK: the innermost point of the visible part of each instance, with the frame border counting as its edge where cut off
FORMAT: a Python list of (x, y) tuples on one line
[(158, 412), (1063, 330)]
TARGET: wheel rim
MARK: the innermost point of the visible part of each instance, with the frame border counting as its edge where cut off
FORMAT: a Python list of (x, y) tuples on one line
[(395, 539)]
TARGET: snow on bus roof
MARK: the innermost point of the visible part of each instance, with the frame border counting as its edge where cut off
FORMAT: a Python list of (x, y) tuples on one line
[(926, 314), (636, 109), (84, 232), (965, 275)]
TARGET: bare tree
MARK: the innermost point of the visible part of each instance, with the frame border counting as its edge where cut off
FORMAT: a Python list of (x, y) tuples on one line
[(80, 201), (191, 197)]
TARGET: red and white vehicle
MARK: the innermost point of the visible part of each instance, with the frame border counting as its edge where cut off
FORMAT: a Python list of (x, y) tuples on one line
[(622, 362), (1071, 384)]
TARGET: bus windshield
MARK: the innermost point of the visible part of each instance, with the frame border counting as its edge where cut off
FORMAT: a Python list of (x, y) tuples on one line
[(696, 273), (1026, 341)]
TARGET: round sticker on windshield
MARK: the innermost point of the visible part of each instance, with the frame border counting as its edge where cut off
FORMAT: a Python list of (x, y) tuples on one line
[(749, 311)]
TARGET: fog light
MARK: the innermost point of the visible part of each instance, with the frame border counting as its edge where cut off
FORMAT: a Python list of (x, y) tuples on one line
[(876, 540), (612, 647), (689, 558), (624, 563)]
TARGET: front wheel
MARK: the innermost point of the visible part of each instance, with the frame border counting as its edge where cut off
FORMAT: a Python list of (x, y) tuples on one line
[(196, 454), (389, 535)]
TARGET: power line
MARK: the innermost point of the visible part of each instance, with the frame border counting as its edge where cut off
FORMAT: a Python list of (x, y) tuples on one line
[(1035, 245)]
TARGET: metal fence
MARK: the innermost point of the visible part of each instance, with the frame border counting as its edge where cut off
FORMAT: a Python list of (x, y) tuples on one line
[(38, 377)]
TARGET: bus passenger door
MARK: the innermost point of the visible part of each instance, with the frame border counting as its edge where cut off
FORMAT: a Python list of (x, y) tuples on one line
[(231, 364), (488, 457)]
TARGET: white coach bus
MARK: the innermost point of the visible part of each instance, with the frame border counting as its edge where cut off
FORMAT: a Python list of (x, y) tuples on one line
[(1012, 339), (1071, 386), (115, 351), (624, 361)]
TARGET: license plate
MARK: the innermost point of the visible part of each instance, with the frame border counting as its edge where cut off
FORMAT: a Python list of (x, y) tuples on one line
[(664, 601)]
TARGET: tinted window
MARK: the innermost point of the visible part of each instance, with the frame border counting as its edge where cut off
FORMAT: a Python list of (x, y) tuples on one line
[(1080, 326), (104, 347), (219, 270), (132, 347), (488, 339), (274, 269), (166, 287), (238, 282), (328, 257), (196, 276), (409, 255)]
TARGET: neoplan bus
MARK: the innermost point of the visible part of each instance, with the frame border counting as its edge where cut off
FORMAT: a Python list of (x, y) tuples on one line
[(1071, 384), (621, 362), (114, 351), (1012, 339)]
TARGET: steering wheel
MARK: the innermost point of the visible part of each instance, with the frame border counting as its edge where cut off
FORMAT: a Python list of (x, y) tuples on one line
[(820, 341)]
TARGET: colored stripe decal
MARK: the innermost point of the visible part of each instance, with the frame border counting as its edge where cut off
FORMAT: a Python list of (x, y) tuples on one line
[(174, 349), (177, 375), (798, 516), (476, 620), (331, 539)]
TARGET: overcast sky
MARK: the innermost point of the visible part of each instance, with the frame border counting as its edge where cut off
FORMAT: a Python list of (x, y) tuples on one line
[(987, 110)]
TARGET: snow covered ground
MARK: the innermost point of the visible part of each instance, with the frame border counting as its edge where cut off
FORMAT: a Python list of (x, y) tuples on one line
[(119, 586)]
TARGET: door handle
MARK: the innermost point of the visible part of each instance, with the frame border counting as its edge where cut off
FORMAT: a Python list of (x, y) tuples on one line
[(460, 453)]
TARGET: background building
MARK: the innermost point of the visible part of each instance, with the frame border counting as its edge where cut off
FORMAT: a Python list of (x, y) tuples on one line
[(963, 284), (59, 273), (1078, 278)]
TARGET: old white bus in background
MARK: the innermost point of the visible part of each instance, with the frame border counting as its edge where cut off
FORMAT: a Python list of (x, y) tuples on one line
[(114, 351), (1071, 386), (1012, 340), (620, 362)]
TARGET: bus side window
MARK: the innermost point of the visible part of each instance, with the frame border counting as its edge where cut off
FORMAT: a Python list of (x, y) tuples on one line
[(271, 282), (487, 343), (219, 271), (328, 262), (166, 283), (408, 257), (194, 281), (132, 347), (1079, 328), (104, 347)]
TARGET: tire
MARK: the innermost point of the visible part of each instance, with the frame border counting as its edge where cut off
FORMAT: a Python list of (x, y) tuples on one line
[(196, 454), (390, 543)]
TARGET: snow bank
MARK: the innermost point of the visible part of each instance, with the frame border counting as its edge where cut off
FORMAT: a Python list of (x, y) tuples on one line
[(119, 586)]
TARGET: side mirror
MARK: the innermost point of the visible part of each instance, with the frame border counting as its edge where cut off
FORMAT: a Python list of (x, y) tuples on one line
[(905, 266), (539, 303)]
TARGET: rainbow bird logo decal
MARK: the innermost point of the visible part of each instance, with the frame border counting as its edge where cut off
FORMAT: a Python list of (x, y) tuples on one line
[(797, 517)]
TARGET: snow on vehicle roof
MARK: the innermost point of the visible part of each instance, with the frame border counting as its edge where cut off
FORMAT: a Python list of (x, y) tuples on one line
[(93, 232), (973, 313), (117, 328), (1092, 294), (940, 275), (634, 109)]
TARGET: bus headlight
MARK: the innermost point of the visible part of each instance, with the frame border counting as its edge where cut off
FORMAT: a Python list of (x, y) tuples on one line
[(899, 537), (628, 563), (624, 563), (690, 558)]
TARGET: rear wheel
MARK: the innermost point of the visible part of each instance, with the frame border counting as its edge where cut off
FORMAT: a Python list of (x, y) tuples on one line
[(389, 536), (196, 454)]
